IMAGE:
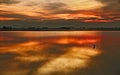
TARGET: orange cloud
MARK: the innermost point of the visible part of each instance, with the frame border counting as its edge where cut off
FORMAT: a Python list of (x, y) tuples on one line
[(39, 10), (97, 20), (6, 19)]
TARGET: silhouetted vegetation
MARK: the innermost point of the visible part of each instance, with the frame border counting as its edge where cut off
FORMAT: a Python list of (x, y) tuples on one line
[(8, 28)]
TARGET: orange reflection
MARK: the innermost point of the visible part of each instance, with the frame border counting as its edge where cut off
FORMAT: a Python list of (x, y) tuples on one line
[(5, 38), (22, 47), (31, 43), (77, 41)]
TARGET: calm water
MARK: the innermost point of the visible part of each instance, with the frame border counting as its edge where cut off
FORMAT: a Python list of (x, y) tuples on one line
[(60, 53)]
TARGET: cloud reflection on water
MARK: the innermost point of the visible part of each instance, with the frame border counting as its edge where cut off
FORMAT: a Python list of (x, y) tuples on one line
[(44, 53)]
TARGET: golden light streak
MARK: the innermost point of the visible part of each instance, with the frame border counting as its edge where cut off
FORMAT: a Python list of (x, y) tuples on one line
[(30, 58), (75, 58)]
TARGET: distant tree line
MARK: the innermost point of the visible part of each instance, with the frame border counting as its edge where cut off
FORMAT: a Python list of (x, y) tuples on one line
[(59, 28)]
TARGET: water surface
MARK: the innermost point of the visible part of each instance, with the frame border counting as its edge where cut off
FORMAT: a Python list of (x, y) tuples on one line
[(60, 53)]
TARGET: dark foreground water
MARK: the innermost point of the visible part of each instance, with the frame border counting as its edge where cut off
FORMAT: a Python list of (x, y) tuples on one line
[(60, 53)]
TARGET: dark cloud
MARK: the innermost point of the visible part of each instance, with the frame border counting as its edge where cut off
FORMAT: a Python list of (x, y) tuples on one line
[(110, 5), (110, 10), (8, 2), (9, 14), (56, 8), (31, 3)]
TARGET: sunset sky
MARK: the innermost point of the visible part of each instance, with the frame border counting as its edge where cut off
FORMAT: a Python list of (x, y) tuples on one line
[(52, 10)]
